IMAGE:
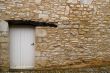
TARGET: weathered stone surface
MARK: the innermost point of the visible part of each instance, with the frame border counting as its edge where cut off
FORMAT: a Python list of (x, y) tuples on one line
[(82, 37), (2, 7), (38, 1), (4, 59), (67, 10), (86, 1), (43, 16), (4, 45), (3, 25), (71, 1), (3, 39), (41, 33)]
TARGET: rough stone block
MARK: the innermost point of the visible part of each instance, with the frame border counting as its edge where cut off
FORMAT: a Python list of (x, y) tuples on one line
[(71, 1), (64, 18), (38, 54), (4, 45), (64, 26), (3, 25), (3, 39), (2, 6), (38, 1), (5, 34), (67, 10), (41, 33), (86, 1), (43, 16)]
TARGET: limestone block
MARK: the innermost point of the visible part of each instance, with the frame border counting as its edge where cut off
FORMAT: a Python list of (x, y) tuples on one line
[(64, 18), (86, 1), (2, 6), (67, 10), (4, 34), (41, 60), (17, 1), (37, 53), (107, 0), (64, 26), (71, 1), (3, 39), (3, 25), (41, 33), (19, 5), (38, 1), (1, 62), (4, 45), (44, 16)]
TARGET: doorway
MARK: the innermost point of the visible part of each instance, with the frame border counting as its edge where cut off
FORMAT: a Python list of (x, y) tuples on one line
[(22, 50)]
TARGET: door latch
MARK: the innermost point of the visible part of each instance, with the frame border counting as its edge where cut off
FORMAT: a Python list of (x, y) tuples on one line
[(32, 44)]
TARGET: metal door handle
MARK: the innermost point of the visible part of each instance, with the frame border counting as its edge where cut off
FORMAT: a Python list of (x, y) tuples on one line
[(32, 44)]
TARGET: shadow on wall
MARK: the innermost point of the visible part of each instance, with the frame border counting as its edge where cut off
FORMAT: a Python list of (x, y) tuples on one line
[(34, 23)]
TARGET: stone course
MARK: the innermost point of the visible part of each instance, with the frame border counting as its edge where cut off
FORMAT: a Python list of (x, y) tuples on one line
[(82, 37)]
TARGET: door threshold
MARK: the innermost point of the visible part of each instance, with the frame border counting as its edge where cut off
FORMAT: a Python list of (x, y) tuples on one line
[(19, 70)]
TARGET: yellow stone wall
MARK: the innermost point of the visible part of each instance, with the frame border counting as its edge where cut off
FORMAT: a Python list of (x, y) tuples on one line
[(81, 39)]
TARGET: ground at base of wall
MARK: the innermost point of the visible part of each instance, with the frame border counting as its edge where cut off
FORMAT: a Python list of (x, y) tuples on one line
[(85, 70), (103, 69), (94, 67)]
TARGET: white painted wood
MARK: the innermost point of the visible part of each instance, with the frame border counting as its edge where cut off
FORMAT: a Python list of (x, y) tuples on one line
[(21, 49)]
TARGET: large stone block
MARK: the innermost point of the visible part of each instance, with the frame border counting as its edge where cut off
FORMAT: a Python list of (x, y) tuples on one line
[(86, 1), (4, 45), (43, 16), (2, 6), (38, 1), (41, 33), (71, 1), (3, 39), (67, 10), (3, 25)]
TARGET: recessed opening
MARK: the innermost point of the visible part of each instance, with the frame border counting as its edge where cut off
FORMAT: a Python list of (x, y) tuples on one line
[(22, 40)]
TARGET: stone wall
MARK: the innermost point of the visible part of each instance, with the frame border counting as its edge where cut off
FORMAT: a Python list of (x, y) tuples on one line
[(4, 60), (81, 38)]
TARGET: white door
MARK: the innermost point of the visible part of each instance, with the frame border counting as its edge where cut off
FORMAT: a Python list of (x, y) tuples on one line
[(22, 47)]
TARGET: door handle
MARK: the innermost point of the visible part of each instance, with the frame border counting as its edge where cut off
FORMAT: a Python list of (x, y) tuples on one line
[(32, 44)]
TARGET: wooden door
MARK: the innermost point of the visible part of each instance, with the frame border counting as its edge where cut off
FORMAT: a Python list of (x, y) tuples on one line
[(22, 47)]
